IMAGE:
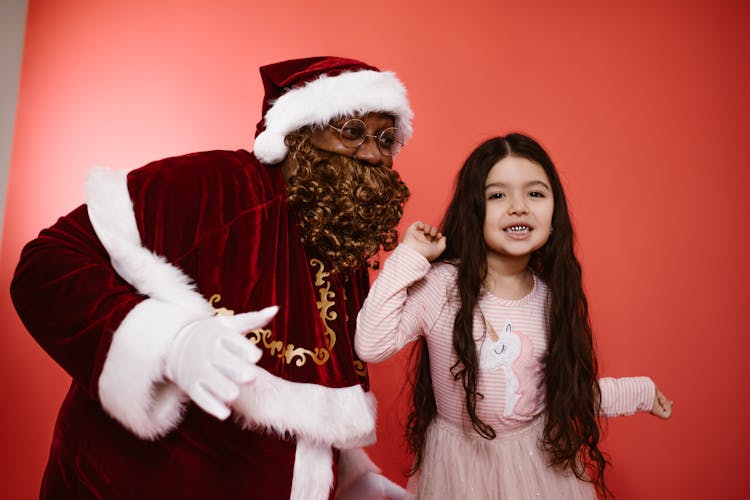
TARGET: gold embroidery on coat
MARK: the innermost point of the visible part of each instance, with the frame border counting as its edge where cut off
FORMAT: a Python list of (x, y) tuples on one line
[(221, 311), (360, 368), (325, 302), (299, 355), (288, 352)]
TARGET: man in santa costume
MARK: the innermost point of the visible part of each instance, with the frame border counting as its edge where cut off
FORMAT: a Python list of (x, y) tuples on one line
[(205, 305)]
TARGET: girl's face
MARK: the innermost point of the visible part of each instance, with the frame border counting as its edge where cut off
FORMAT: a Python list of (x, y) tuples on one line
[(520, 203)]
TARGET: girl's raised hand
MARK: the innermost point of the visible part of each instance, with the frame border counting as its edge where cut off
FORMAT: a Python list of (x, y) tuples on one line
[(425, 239), (662, 406)]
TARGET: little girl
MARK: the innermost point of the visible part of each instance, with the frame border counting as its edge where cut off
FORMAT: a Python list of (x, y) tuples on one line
[(506, 399)]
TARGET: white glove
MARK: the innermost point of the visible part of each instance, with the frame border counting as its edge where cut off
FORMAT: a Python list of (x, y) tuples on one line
[(372, 486), (210, 358)]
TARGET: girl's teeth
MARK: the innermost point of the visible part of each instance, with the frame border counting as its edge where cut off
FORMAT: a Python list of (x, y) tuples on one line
[(517, 229)]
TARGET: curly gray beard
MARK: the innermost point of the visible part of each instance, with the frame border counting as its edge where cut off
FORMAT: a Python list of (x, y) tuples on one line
[(346, 209)]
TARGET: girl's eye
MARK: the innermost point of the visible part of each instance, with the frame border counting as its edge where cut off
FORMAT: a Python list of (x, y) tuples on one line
[(536, 194), (496, 196)]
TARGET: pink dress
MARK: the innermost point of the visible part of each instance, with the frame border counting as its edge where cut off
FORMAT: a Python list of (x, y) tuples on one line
[(412, 298)]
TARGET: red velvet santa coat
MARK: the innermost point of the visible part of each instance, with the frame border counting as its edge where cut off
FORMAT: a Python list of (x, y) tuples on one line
[(107, 287)]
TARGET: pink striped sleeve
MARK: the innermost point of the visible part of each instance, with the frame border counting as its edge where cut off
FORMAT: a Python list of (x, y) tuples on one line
[(626, 396), (392, 315)]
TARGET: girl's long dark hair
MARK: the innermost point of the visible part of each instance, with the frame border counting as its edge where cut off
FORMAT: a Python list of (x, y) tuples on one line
[(570, 386)]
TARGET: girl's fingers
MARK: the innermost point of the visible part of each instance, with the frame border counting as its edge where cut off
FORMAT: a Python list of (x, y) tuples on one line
[(429, 232)]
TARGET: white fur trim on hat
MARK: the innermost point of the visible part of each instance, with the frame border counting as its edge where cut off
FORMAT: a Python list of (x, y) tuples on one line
[(329, 97)]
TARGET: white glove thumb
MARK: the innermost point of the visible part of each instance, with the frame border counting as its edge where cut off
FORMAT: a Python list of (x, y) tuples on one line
[(245, 322), (210, 358)]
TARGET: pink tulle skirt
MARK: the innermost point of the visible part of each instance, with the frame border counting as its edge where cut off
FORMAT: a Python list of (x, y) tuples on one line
[(459, 464)]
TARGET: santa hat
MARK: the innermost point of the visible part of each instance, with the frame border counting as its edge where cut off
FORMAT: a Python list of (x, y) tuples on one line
[(316, 90)]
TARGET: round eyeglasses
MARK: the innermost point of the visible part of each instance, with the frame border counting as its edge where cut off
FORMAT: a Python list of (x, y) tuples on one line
[(353, 134)]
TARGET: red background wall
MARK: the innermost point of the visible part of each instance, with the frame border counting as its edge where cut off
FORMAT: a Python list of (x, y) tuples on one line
[(643, 106)]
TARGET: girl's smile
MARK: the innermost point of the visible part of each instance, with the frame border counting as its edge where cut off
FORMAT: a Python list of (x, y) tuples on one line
[(518, 231)]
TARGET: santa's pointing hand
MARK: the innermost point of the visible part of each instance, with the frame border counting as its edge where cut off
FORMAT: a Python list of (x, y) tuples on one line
[(210, 358)]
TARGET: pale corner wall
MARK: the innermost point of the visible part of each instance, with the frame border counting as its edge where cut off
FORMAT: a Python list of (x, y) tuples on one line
[(12, 27)]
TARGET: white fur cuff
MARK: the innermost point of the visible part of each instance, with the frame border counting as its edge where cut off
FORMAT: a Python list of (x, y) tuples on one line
[(132, 388)]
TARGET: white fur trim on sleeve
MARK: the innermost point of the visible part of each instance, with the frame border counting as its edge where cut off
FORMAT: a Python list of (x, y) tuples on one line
[(131, 386), (329, 97)]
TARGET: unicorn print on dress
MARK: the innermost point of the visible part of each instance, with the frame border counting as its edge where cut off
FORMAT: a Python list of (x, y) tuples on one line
[(512, 353)]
